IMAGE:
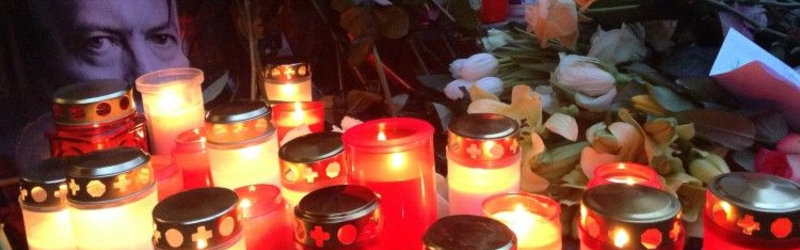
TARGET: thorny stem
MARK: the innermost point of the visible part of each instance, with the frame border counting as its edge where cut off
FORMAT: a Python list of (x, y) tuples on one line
[(387, 96), (754, 23)]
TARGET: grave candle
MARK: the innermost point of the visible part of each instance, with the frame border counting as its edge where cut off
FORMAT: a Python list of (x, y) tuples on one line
[(201, 218), (191, 157), (288, 116), (288, 82), (43, 191), (469, 232), (535, 219), (266, 217), (344, 217), (169, 179), (311, 162), (627, 173)]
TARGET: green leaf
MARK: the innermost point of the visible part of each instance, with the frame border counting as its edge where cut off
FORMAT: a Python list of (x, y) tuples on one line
[(692, 198), (392, 21), (745, 159), (728, 129), (356, 21), (771, 127), (668, 99), (705, 89), (540, 67)]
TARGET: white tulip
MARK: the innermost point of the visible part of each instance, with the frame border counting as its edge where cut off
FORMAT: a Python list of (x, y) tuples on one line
[(455, 67), (617, 46), (495, 39), (581, 74), (453, 89), (596, 104), (479, 66), (491, 84)]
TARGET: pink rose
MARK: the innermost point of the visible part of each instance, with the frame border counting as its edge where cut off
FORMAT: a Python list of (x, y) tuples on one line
[(778, 163)]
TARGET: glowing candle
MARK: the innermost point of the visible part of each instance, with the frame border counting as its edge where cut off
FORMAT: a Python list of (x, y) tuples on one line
[(266, 217), (201, 218), (191, 157), (288, 82), (111, 194), (394, 158), (631, 217), (459, 232), (483, 159), (311, 162), (95, 115), (626, 173), (750, 211), (344, 217), (535, 219), (168, 176), (242, 149), (173, 103), (43, 191), (288, 116)]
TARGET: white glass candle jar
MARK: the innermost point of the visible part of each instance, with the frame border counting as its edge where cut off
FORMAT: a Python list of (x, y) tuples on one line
[(288, 82), (111, 194), (173, 103), (242, 146), (201, 218), (311, 162), (483, 159), (43, 191)]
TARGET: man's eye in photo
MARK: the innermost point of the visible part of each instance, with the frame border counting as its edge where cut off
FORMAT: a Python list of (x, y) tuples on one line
[(100, 44), (163, 39)]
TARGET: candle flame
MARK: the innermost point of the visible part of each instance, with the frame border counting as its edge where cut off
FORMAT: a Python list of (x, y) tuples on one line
[(381, 134), (398, 161), (584, 214), (202, 244), (245, 203), (252, 188), (297, 115), (621, 238), (168, 101), (630, 181), (728, 209)]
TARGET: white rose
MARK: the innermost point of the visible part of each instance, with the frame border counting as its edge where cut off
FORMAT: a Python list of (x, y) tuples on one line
[(479, 66), (617, 46), (495, 39), (455, 67), (491, 84), (453, 89), (581, 74)]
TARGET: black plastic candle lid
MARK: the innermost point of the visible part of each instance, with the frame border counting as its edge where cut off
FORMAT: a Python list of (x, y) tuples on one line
[(757, 192), (43, 184), (239, 111), (468, 232), (312, 147), (208, 213), (631, 203), (337, 204), (109, 175), (91, 92), (484, 126)]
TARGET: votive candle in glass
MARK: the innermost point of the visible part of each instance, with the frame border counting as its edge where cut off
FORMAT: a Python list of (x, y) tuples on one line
[(751, 211), (311, 162), (626, 173), (483, 159), (632, 217), (191, 157), (201, 218), (111, 194), (288, 116), (534, 219), (168, 176), (242, 148), (343, 217), (469, 232), (43, 190), (173, 103), (95, 115), (394, 158), (266, 218), (288, 82)]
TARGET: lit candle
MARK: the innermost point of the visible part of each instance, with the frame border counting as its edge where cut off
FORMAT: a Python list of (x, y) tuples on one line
[(191, 157), (173, 103), (288, 82), (242, 148), (43, 191), (626, 173), (266, 217), (201, 218), (111, 194), (751, 211), (288, 116), (394, 158), (311, 162), (95, 115), (630, 217), (168, 176), (343, 217), (483, 159), (459, 232), (535, 219)]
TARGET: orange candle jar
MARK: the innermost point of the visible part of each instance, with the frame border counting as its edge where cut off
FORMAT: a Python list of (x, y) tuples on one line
[(311, 162), (626, 173), (111, 193), (534, 219), (43, 190), (344, 217), (288, 116), (191, 158), (95, 115), (242, 148), (483, 159), (266, 217), (201, 218), (632, 217), (394, 158), (288, 82), (751, 211), (461, 232)]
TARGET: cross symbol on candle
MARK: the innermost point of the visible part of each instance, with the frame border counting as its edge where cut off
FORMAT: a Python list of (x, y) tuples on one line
[(74, 187), (514, 146), (122, 183), (156, 235), (748, 225), (310, 175), (58, 192), (289, 72), (23, 193), (473, 151), (202, 234), (320, 236)]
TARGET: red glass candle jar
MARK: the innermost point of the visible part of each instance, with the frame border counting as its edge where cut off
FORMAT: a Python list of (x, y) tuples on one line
[(288, 82), (95, 115), (288, 116), (311, 162), (394, 158), (168, 176), (266, 217), (460, 232), (190, 156), (751, 211), (626, 173), (494, 11), (344, 217), (632, 217), (534, 219)]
